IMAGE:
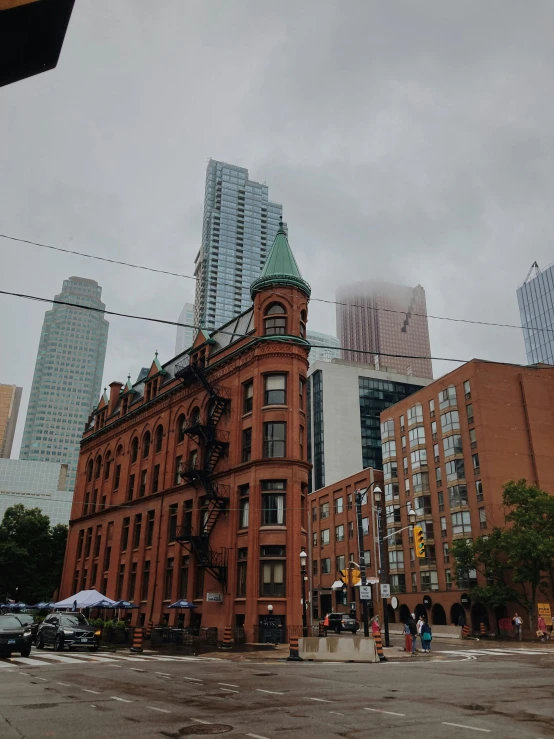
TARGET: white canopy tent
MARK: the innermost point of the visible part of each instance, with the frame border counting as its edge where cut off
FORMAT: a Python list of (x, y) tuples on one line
[(83, 599)]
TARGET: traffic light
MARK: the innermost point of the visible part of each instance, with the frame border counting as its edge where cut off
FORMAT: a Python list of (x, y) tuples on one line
[(419, 542)]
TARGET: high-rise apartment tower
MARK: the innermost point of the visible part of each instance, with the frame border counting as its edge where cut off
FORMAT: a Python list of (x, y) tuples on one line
[(185, 334), (386, 325), (536, 308), (68, 376), (239, 226), (10, 398)]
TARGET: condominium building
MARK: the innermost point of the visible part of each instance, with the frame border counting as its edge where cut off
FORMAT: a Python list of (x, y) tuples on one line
[(10, 399), (345, 400), (536, 307), (325, 347), (185, 334), (447, 452), (35, 485), (68, 375), (386, 325), (240, 223)]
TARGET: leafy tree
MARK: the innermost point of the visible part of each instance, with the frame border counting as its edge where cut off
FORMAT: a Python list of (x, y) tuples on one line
[(516, 558), (31, 554)]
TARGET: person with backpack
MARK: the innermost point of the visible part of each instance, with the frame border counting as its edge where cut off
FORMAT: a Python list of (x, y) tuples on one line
[(407, 637), (426, 637)]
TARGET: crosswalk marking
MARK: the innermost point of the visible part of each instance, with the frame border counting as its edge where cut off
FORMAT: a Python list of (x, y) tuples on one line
[(51, 659), (500, 652)]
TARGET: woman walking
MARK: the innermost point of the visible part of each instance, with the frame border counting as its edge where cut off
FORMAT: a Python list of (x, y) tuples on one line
[(426, 637)]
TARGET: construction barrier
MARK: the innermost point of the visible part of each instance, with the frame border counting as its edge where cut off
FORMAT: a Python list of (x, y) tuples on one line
[(338, 649), (294, 655), (226, 638), (379, 646), (138, 635), (483, 629), (149, 628), (466, 631)]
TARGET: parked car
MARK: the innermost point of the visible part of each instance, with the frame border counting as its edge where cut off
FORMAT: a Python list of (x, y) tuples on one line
[(28, 620), (14, 637), (342, 622), (71, 630)]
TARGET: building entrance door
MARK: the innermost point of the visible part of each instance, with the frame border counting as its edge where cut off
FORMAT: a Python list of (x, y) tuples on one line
[(272, 630)]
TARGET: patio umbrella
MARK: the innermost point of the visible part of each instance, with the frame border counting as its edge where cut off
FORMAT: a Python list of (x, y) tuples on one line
[(103, 604), (43, 605), (17, 606), (182, 604), (124, 604)]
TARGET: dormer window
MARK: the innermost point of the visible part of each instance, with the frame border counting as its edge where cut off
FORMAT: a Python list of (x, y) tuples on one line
[(303, 324), (124, 406), (275, 320)]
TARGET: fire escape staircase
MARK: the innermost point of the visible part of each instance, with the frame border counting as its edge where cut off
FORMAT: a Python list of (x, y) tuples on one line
[(213, 445)]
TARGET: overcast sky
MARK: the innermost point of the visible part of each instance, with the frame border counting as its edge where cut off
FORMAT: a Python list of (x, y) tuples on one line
[(410, 141)]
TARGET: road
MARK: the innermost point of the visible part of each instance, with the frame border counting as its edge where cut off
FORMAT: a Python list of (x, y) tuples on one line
[(462, 691)]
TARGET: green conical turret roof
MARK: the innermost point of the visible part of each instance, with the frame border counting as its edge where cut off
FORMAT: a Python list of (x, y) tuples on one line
[(280, 268)]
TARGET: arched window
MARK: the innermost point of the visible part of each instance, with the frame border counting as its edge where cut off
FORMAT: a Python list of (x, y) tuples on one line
[(303, 324), (181, 423), (159, 438), (98, 467), (134, 449), (89, 470), (275, 320), (195, 416), (107, 464), (146, 445), (119, 451)]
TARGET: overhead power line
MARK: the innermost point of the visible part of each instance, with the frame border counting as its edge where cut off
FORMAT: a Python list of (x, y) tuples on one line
[(222, 331), (318, 300)]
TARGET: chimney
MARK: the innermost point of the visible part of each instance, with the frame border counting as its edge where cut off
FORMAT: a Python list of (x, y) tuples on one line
[(115, 390)]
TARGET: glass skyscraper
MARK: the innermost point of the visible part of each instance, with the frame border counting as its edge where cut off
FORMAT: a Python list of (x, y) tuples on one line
[(536, 308), (240, 224), (326, 347), (185, 335), (68, 376)]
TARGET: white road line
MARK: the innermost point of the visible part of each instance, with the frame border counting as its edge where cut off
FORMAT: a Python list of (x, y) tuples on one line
[(378, 710), (229, 685), (122, 700), (61, 659), (463, 726), (321, 700), (257, 736), (88, 690), (24, 673), (161, 710), (66, 685), (117, 657), (200, 721), (44, 680), (193, 679), (337, 713), (163, 674), (271, 692), (27, 661), (229, 690), (136, 669)]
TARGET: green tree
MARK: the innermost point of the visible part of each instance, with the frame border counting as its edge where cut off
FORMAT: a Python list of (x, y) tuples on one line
[(31, 554)]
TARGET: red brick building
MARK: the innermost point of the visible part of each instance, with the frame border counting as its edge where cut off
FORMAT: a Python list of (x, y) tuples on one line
[(192, 483)]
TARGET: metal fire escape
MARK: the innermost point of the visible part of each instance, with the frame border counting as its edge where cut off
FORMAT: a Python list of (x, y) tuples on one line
[(213, 445)]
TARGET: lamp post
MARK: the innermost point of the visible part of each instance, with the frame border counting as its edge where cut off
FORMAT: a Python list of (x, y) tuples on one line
[(363, 576), (304, 575)]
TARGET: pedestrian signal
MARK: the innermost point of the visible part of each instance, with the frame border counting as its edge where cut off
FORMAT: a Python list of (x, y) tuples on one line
[(419, 542)]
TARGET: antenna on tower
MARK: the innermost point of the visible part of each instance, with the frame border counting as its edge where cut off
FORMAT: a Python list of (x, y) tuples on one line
[(533, 272)]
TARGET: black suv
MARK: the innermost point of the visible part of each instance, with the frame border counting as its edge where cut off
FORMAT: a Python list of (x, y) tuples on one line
[(342, 622), (14, 637), (67, 630)]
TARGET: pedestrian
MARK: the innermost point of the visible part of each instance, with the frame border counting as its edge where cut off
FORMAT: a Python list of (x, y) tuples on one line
[(407, 637), (426, 637), (541, 629), (375, 628), (326, 624), (413, 632), (517, 622), (419, 625)]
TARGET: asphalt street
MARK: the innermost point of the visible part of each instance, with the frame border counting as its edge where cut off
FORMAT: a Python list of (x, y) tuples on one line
[(466, 690)]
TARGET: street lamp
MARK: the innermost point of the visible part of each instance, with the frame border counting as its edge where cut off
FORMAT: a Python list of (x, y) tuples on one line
[(359, 498), (304, 574)]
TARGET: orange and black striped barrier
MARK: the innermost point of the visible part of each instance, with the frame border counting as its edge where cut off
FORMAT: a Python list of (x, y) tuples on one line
[(482, 629), (138, 635), (465, 631), (379, 646), (149, 628), (294, 654), (226, 638)]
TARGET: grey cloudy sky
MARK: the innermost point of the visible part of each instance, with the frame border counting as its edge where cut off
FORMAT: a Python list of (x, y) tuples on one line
[(411, 141)]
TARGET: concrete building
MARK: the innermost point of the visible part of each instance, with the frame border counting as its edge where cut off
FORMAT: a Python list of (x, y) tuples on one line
[(385, 321), (192, 483), (185, 335), (345, 400), (68, 375), (35, 485), (536, 307), (10, 399), (240, 223), (447, 451), (326, 347)]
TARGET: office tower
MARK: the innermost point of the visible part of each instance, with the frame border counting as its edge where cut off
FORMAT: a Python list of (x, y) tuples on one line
[(10, 398), (326, 347), (239, 225), (536, 308), (68, 376), (385, 320), (185, 336), (35, 485)]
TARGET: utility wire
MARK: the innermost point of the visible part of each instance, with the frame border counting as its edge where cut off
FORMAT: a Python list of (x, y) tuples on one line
[(319, 300), (221, 331)]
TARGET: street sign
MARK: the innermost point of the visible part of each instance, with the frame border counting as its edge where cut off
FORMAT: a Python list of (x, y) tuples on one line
[(354, 574), (544, 610), (365, 592), (385, 590)]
